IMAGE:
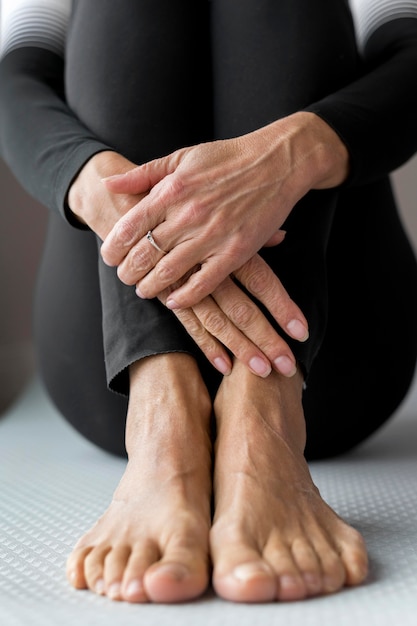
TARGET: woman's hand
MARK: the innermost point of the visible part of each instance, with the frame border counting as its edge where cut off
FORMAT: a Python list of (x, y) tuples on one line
[(214, 205), (91, 202), (228, 317)]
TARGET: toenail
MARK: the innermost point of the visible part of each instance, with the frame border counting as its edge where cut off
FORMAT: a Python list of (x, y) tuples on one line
[(329, 585), (114, 590), (247, 571), (99, 587), (313, 582), (288, 583), (176, 572), (134, 588)]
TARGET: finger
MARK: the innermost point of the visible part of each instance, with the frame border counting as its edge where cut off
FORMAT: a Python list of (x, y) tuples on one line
[(276, 239), (130, 229), (199, 285), (143, 177), (211, 348), (170, 269), (139, 261), (218, 324), (143, 217), (261, 282), (249, 319)]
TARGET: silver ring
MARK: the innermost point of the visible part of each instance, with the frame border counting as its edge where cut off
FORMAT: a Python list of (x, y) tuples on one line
[(153, 243)]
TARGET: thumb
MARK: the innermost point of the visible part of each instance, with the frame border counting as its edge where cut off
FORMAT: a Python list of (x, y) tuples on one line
[(276, 239), (142, 178)]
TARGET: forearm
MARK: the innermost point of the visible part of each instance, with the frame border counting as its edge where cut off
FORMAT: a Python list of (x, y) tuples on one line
[(44, 144), (375, 115)]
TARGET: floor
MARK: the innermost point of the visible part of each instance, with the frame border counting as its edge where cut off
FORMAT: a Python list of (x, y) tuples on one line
[(53, 485)]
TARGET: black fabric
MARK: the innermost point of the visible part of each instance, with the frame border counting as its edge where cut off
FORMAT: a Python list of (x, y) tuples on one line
[(44, 144), (376, 114)]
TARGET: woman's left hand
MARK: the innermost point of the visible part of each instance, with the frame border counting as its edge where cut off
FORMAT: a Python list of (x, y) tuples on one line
[(214, 205), (229, 319)]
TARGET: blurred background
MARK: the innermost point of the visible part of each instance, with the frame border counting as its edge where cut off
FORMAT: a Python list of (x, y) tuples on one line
[(22, 230)]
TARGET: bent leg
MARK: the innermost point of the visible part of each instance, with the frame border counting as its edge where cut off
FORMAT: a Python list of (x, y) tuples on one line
[(273, 536), (69, 337), (367, 360), (94, 334)]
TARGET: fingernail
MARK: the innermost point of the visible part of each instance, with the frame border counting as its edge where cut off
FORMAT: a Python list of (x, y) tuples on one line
[(222, 365), (139, 293), (171, 304), (285, 366), (99, 587), (259, 367), (297, 330)]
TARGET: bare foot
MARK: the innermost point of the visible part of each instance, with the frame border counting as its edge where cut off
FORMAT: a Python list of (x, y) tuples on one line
[(152, 542), (273, 535)]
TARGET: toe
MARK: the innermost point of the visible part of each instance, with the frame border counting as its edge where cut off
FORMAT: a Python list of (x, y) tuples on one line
[(334, 575), (290, 583), (94, 568), (353, 554), (114, 568), (309, 565), (140, 560), (179, 576), (75, 567), (241, 575)]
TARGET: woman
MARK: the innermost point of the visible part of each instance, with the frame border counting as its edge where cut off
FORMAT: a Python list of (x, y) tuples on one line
[(262, 238)]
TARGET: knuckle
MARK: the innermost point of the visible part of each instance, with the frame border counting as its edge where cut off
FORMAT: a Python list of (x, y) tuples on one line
[(171, 188), (192, 325), (243, 314), (164, 273), (215, 323), (201, 286), (258, 281), (125, 232), (139, 260)]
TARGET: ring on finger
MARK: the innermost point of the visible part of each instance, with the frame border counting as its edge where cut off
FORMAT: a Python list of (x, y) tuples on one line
[(153, 243)]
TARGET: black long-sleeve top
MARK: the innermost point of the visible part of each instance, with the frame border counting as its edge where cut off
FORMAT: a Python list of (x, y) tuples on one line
[(45, 144)]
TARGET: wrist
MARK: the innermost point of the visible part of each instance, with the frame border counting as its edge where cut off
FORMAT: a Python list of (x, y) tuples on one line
[(89, 200), (321, 151), (79, 194), (316, 156)]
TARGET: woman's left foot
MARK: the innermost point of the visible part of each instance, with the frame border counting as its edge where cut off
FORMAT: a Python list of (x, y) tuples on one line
[(273, 537)]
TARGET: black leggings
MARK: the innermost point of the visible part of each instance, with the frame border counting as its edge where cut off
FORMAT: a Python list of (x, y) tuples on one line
[(346, 259)]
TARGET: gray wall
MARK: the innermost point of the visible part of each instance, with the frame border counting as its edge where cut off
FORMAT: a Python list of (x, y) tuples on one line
[(22, 228)]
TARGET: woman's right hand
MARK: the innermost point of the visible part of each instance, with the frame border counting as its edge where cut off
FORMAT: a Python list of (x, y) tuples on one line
[(90, 201)]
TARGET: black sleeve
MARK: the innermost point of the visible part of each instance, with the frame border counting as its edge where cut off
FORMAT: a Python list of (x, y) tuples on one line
[(41, 140), (376, 115)]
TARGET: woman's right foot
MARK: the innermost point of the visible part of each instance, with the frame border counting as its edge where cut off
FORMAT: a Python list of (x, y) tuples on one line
[(152, 542)]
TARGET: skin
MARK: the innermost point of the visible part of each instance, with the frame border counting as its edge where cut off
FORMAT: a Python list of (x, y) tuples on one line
[(272, 536), (201, 204)]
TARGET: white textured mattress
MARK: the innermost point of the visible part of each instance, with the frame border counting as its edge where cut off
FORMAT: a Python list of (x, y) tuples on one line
[(53, 486)]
